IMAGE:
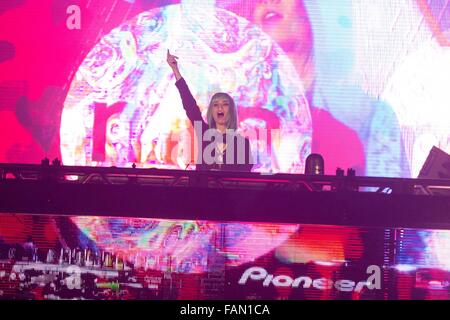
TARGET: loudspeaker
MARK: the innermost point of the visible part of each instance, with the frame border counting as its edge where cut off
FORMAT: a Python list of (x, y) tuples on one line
[(436, 166)]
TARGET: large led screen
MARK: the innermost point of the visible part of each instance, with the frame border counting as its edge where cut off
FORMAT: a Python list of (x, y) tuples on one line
[(79, 257), (364, 83)]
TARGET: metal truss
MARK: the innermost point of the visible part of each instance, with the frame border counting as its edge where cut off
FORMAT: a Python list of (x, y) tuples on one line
[(220, 179)]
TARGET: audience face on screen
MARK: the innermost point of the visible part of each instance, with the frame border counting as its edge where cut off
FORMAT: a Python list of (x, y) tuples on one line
[(287, 23)]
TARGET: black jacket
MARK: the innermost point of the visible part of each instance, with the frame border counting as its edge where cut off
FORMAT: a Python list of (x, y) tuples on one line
[(241, 160)]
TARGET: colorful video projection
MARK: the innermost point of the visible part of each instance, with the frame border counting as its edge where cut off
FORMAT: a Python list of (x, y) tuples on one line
[(424, 259), (365, 84), (62, 257)]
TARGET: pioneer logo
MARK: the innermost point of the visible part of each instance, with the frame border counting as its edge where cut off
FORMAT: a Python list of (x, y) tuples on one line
[(260, 274)]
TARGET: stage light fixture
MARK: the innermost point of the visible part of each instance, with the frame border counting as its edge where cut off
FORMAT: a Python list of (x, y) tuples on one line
[(315, 164), (56, 162)]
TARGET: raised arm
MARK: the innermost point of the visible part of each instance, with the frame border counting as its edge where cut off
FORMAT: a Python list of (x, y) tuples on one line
[(173, 63), (189, 103)]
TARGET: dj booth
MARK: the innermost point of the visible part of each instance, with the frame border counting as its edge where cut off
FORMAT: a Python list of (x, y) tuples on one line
[(130, 233)]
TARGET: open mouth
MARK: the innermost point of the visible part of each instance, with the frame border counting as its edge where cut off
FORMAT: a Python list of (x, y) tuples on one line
[(220, 114), (271, 17)]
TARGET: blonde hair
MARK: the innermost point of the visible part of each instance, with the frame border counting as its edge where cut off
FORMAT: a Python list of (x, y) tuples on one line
[(232, 112)]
